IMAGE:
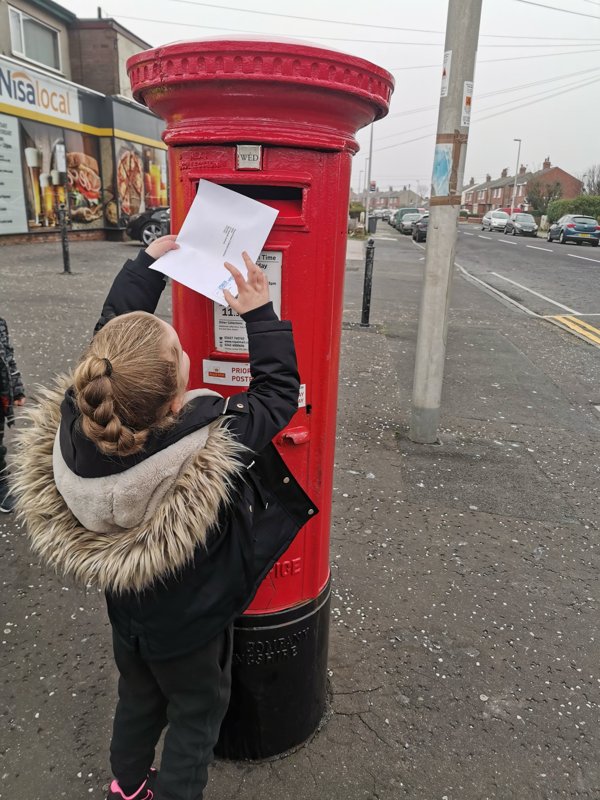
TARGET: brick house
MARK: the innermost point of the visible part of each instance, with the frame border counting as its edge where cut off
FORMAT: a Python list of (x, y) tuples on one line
[(483, 197), (393, 198)]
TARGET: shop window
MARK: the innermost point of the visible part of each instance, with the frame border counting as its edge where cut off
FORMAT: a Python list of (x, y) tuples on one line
[(34, 40)]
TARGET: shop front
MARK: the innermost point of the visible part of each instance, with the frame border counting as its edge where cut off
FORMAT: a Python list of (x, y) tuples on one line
[(61, 143)]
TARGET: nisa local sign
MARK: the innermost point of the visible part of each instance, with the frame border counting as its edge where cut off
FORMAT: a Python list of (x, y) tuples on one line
[(32, 91)]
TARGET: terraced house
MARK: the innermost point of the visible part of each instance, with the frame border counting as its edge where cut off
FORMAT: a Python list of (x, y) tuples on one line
[(497, 193)]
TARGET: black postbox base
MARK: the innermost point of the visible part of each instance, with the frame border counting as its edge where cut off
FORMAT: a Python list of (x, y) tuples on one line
[(279, 680)]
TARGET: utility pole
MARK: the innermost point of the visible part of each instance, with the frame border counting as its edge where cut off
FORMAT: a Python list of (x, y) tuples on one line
[(514, 194), (369, 181), (462, 33)]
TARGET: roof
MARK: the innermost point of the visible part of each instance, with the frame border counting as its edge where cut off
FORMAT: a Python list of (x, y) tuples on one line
[(510, 179), (50, 7), (109, 22)]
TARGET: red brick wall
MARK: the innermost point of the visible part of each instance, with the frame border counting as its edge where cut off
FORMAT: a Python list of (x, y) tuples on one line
[(570, 185)]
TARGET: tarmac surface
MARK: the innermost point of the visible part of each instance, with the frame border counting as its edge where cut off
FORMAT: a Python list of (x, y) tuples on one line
[(464, 652)]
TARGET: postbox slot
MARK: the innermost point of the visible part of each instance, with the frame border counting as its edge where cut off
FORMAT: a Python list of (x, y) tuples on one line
[(287, 200)]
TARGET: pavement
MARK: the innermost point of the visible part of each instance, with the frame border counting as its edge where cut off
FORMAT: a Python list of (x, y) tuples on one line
[(464, 653)]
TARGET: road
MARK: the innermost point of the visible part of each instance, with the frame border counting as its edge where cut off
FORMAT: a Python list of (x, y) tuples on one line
[(557, 282), (464, 644)]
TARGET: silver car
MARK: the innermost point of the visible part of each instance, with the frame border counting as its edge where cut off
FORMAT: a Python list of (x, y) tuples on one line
[(407, 221), (494, 221)]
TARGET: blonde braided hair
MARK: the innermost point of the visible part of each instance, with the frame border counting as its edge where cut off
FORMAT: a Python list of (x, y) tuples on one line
[(124, 400)]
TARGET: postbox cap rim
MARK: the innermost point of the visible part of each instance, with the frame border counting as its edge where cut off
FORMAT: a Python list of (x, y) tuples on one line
[(258, 45)]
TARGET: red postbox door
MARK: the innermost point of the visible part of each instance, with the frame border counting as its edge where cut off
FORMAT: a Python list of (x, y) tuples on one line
[(304, 258)]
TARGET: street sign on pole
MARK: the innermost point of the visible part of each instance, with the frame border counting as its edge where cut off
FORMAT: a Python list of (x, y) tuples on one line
[(462, 33)]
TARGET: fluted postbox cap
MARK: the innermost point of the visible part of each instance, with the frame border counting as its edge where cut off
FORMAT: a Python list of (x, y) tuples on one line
[(273, 91)]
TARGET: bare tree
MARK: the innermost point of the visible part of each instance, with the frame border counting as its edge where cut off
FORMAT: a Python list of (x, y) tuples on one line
[(540, 194), (591, 180)]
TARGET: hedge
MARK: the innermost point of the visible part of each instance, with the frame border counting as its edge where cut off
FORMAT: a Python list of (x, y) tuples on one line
[(586, 204)]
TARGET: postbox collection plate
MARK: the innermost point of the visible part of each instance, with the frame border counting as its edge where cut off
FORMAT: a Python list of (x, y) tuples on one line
[(248, 156), (230, 328)]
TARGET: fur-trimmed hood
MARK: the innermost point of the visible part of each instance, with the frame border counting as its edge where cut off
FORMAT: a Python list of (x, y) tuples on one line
[(125, 531)]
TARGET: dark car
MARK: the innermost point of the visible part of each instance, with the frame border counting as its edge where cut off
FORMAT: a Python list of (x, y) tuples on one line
[(419, 228), (575, 228), (147, 226), (521, 224)]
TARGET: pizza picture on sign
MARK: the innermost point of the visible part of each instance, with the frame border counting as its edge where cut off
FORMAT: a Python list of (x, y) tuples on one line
[(130, 181)]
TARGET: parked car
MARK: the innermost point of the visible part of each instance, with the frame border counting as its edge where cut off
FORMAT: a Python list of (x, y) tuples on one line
[(419, 228), (397, 218), (575, 228), (147, 226), (522, 224), (494, 221), (407, 221)]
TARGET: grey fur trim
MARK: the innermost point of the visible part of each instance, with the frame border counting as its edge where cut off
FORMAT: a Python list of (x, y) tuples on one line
[(131, 559)]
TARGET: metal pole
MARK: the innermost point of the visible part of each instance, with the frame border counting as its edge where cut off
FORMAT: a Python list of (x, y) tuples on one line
[(62, 220), (462, 32), (366, 304), (369, 181), (514, 194)]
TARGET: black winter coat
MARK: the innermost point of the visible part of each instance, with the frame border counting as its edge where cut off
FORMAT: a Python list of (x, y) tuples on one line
[(11, 385), (183, 612)]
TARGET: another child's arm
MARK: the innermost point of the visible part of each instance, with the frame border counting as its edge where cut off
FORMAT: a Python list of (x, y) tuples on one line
[(18, 391), (137, 288)]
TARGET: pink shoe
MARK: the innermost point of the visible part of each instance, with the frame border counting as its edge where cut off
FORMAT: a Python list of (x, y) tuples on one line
[(143, 793)]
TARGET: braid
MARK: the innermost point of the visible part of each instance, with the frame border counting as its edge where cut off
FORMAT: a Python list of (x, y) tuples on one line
[(99, 421), (125, 384)]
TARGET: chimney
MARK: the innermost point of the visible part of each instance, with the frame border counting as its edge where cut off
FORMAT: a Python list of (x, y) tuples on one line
[(547, 163), (488, 178), (504, 173), (522, 169), (472, 182)]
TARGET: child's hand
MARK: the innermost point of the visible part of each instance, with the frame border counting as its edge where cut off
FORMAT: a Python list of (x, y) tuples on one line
[(253, 292), (162, 245)]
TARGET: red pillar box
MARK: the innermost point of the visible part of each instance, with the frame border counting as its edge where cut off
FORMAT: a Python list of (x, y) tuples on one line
[(274, 121)]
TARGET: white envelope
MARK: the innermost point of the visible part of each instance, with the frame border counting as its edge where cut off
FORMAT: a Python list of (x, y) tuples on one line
[(218, 227)]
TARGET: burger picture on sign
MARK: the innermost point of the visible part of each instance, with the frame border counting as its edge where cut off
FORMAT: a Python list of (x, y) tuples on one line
[(84, 187)]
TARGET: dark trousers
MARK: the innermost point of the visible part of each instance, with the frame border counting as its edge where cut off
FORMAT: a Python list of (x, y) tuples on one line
[(190, 694), (2, 448)]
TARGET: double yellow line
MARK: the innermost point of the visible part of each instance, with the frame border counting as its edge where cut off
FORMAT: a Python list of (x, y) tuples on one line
[(581, 328)]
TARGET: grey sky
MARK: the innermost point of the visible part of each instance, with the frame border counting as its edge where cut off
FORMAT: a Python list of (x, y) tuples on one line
[(521, 45)]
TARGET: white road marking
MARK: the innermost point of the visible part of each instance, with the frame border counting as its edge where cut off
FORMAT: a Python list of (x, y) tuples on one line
[(495, 291), (537, 294), (485, 237), (387, 238), (467, 234), (533, 247), (505, 241), (584, 258)]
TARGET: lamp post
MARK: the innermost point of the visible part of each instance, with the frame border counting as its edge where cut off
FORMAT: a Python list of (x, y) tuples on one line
[(368, 179), (514, 194)]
